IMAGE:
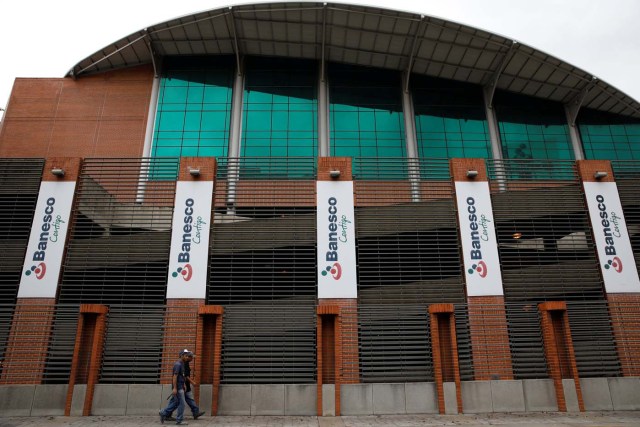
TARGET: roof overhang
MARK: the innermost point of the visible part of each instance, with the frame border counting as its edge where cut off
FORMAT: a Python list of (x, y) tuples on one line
[(365, 36)]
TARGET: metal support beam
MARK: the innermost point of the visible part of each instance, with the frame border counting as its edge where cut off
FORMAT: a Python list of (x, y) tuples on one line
[(233, 169), (322, 49), (323, 114), (152, 53), (496, 144), (414, 44), (148, 137), (236, 47), (490, 87), (413, 161), (573, 107)]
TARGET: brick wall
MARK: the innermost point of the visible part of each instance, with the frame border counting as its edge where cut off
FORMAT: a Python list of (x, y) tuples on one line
[(26, 353), (489, 338), (624, 310), (104, 115), (180, 330)]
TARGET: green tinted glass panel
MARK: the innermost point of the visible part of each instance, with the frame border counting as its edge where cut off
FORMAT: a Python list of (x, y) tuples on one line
[(279, 117), (609, 136), (366, 118), (450, 119), (194, 108), (532, 129)]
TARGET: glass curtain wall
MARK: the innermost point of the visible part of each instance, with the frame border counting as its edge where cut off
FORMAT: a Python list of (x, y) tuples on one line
[(609, 136), (366, 118), (532, 131), (280, 108), (450, 119), (194, 107)]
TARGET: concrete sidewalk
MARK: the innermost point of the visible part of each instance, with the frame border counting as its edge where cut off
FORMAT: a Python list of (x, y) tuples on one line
[(593, 419)]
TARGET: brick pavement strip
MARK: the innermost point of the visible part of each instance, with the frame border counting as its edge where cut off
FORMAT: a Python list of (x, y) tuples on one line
[(587, 419)]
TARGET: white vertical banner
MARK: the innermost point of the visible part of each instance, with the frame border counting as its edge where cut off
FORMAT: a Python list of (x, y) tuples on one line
[(478, 236), (190, 230), (617, 262), (337, 276), (43, 260)]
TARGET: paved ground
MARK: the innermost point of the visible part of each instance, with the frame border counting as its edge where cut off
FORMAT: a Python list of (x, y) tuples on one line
[(589, 419)]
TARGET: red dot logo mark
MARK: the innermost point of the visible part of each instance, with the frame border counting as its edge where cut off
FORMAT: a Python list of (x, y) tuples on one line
[(186, 272), (335, 270), (37, 270), (480, 268)]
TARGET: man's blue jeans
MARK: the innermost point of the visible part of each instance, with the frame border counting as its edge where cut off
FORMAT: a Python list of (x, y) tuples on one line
[(188, 397), (178, 402)]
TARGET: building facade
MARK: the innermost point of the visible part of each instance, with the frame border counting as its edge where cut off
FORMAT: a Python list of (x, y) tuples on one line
[(352, 209)]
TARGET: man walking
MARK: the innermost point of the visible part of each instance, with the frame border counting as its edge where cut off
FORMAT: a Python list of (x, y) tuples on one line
[(188, 395), (178, 391)]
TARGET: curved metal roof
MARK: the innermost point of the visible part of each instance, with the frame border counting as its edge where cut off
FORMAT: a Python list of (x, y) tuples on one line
[(367, 36)]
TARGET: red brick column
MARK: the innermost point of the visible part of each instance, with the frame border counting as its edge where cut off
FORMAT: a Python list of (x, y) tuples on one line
[(180, 330), (487, 316), (444, 356), (27, 347), (209, 352), (28, 343), (558, 349), (183, 316), (489, 338), (87, 353), (328, 365), (624, 308)]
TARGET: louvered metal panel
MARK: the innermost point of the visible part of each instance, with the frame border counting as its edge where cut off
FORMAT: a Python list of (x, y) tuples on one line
[(408, 257), (118, 248), (62, 343), (269, 343), (627, 174), (19, 187), (263, 251), (133, 344), (547, 253), (395, 343)]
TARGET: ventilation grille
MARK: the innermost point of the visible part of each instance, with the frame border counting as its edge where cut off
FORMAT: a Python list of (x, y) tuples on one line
[(119, 245), (263, 268), (627, 175), (408, 257), (19, 187), (546, 253)]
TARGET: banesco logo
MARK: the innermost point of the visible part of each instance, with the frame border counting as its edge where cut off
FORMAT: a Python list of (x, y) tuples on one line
[(609, 248), (335, 270), (476, 237), (39, 270), (186, 271), (480, 267), (39, 255)]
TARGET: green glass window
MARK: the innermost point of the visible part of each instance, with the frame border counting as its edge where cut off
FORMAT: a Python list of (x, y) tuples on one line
[(450, 119), (194, 107), (609, 136), (531, 128), (280, 108), (366, 118)]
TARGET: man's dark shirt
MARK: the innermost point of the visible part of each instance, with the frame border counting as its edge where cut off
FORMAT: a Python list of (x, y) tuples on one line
[(179, 369)]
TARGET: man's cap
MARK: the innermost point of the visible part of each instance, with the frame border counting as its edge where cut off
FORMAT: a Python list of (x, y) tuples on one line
[(187, 352)]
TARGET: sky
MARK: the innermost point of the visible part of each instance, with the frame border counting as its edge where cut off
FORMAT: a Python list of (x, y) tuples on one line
[(45, 38)]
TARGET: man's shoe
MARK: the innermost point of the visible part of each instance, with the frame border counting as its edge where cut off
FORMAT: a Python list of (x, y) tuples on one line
[(162, 417), (198, 415), (169, 418), (182, 423)]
